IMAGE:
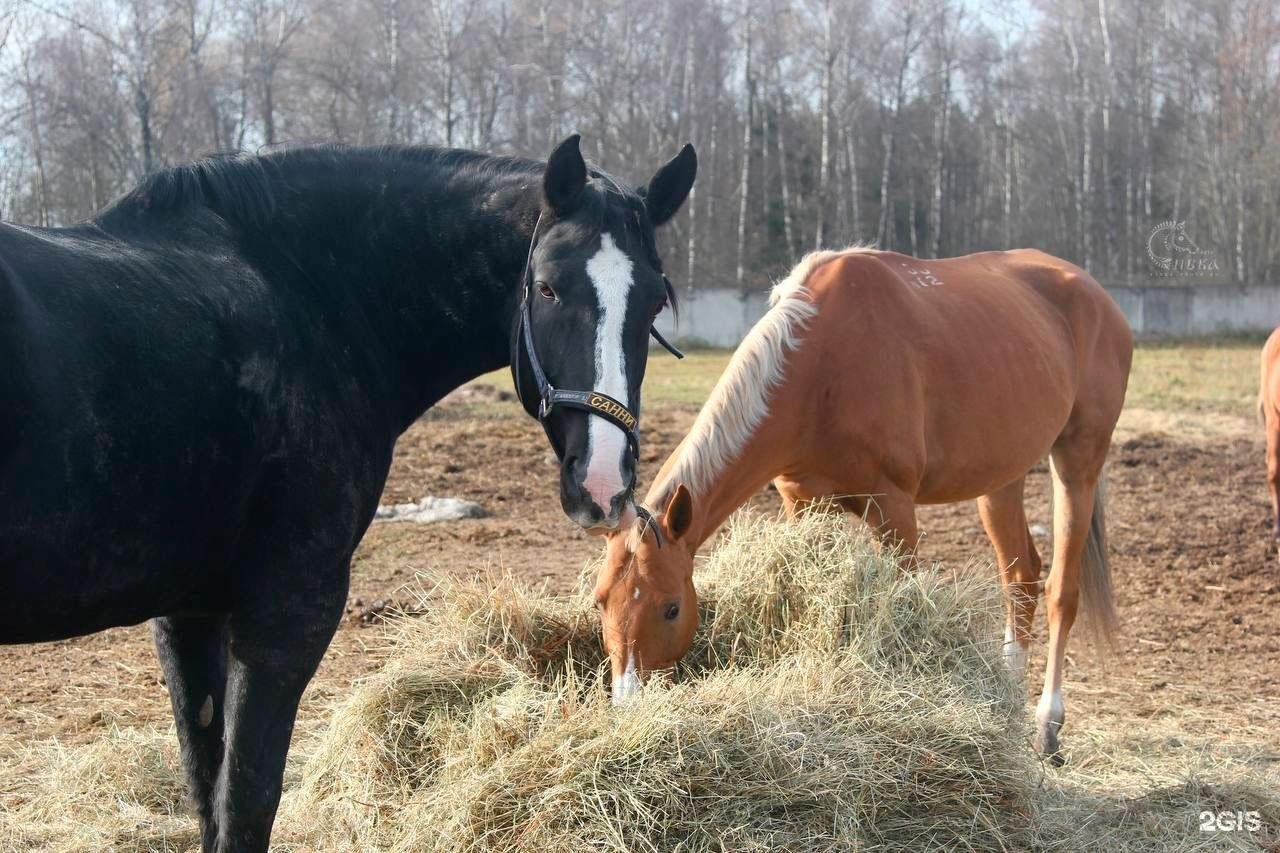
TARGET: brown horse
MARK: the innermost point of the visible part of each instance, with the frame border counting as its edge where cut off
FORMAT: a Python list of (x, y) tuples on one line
[(883, 381), (1269, 411)]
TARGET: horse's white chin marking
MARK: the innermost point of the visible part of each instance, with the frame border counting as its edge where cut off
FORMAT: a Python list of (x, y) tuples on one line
[(628, 684), (610, 273)]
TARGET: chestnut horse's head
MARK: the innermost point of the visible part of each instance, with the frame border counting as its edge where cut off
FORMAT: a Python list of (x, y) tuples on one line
[(648, 607)]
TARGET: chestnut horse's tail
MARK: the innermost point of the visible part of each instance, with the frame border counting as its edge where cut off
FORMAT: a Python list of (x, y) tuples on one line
[(1096, 592)]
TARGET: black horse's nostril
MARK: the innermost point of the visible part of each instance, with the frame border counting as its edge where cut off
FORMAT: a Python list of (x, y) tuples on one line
[(621, 499)]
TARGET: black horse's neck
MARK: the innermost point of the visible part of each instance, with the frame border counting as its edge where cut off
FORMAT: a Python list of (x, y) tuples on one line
[(409, 259)]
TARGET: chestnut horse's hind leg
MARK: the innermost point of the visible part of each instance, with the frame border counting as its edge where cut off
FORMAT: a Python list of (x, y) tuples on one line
[(1272, 423), (1076, 469), (1005, 521), (193, 656)]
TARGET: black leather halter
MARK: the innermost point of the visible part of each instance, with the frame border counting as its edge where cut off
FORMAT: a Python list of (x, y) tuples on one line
[(592, 402)]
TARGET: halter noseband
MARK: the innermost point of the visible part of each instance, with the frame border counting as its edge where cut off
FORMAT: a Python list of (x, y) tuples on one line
[(592, 402)]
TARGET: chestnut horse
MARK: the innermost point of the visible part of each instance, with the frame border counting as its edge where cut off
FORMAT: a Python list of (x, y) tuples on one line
[(882, 381), (1269, 412)]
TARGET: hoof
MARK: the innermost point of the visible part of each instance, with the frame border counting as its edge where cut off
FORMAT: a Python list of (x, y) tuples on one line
[(1047, 743), (1050, 715)]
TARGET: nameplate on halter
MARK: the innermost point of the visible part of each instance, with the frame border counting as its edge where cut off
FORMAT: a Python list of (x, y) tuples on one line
[(613, 409)]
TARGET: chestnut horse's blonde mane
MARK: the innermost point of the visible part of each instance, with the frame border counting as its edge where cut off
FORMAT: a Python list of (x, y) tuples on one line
[(740, 399)]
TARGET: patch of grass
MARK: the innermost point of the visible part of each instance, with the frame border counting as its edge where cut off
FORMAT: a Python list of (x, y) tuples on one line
[(1213, 377), (1205, 377), (668, 381)]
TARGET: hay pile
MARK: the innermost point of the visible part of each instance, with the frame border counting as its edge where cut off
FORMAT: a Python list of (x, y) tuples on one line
[(830, 702), (120, 791)]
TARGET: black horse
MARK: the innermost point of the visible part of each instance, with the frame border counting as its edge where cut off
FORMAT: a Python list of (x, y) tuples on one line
[(202, 386)]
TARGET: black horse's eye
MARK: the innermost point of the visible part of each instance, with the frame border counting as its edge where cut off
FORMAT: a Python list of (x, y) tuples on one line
[(662, 306), (672, 611), (545, 291)]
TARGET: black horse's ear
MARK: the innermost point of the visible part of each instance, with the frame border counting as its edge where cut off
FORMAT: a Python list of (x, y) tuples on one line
[(565, 178), (670, 186)]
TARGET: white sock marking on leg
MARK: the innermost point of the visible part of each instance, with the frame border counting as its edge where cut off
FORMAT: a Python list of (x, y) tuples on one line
[(1015, 654), (1050, 709)]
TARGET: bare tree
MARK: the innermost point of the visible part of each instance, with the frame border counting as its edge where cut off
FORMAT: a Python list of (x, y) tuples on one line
[(917, 123)]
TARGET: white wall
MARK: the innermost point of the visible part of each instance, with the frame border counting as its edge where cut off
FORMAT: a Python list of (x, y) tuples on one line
[(720, 318)]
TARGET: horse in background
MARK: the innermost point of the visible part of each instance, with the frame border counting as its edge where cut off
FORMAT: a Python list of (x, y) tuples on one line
[(882, 381), (1269, 414)]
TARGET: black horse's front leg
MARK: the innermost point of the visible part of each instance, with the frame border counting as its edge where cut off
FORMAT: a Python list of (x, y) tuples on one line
[(274, 650), (193, 657)]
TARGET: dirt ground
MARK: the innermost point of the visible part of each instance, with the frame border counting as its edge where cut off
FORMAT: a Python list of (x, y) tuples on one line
[(1196, 574)]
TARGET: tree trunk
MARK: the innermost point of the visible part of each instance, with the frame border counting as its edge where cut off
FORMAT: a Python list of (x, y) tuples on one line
[(788, 227), (883, 236), (855, 194), (744, 184), (687, 109), (37, 140), (942, 124), (824, 161), (1108, 225)]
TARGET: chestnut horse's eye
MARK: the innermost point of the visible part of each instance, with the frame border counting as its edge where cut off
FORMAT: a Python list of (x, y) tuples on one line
[(672, 611), (545, 291)]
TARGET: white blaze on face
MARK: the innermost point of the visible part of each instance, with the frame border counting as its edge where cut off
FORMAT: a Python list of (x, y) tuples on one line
[(628, 684), (610, 273)]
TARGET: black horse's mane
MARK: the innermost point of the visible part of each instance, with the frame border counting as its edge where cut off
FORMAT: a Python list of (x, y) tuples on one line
[(241, 187)]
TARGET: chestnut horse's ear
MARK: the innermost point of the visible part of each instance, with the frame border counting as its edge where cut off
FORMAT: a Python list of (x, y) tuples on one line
[(565, 177), (670, 186), (679, 513)]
